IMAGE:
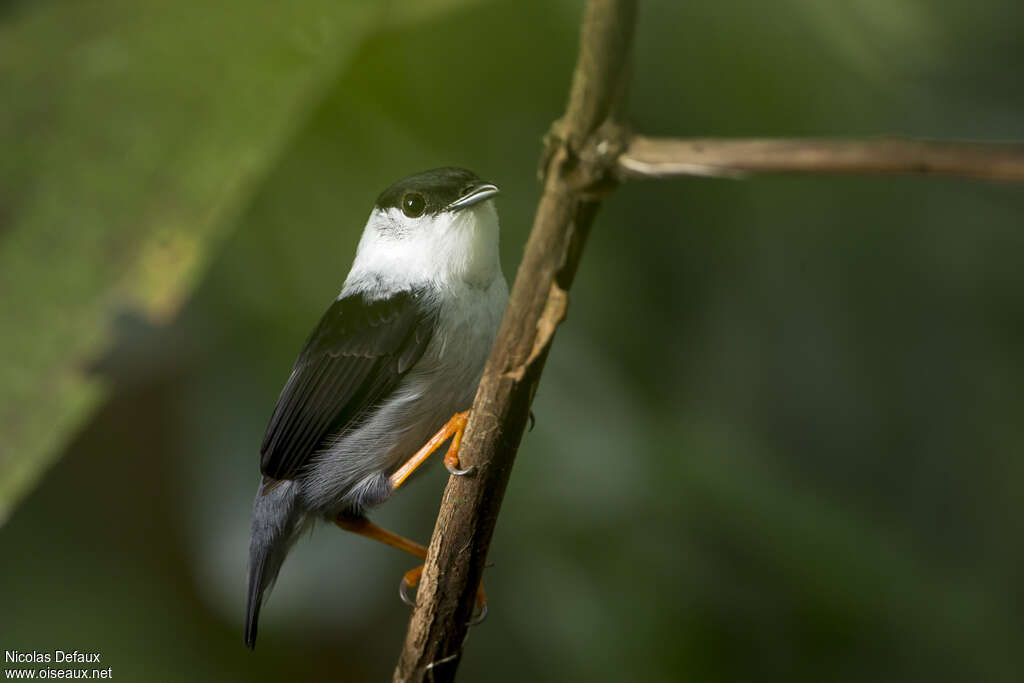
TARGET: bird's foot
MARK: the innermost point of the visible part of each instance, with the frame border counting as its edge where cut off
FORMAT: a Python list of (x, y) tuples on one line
[(452, 429), (409, 580), (451, 458), (412, 577)]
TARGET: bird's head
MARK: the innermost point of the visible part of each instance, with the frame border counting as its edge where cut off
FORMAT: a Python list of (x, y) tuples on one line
[(438, 227)]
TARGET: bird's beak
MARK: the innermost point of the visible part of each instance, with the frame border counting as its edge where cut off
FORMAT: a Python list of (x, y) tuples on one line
[(476, 195)]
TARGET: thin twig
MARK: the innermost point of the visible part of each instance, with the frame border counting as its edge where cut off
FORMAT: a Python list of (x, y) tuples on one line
[(579, 164), (648, 157)]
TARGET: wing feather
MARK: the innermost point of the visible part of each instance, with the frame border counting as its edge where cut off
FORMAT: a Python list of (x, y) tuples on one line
[(351, 361)]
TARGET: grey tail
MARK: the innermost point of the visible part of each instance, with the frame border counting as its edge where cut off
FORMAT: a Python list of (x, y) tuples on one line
[(276, 522)]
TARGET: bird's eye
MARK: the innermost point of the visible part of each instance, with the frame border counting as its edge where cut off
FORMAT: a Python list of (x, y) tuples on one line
[(413, 205)]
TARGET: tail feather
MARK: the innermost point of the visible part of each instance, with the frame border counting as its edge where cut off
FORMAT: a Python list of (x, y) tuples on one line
[(276, 522), (258, 585)]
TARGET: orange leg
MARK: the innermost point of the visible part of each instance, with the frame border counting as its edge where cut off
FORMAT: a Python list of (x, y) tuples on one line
[(454, 429), (367, 529)]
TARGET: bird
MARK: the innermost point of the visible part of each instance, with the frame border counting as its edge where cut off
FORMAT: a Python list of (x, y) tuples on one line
[(388, 374)]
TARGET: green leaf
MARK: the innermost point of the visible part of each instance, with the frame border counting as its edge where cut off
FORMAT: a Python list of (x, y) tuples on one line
[(134, 133)]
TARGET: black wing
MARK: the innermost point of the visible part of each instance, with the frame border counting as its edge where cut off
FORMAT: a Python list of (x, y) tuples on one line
[(353, 358)]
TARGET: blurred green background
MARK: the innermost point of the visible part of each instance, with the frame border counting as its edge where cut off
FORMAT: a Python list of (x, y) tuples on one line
[(779, 437)]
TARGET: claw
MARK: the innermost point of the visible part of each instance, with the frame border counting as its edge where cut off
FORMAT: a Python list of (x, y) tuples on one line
[(478, 619), (533, 421), (459, 472), (403, 587), (403, 593)]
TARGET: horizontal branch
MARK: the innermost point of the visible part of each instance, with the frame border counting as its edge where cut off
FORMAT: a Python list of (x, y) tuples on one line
[(648, 157)]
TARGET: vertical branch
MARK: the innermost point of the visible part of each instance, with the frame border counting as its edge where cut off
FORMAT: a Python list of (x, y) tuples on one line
[(579, 162)]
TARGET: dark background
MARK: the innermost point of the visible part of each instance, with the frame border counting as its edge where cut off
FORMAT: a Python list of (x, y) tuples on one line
[(778, 438)]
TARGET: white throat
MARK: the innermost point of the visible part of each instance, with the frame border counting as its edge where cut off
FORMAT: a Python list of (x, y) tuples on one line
[(448, 250)]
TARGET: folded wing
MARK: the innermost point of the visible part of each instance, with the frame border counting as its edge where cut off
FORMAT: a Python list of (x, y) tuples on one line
[(352, 360)]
